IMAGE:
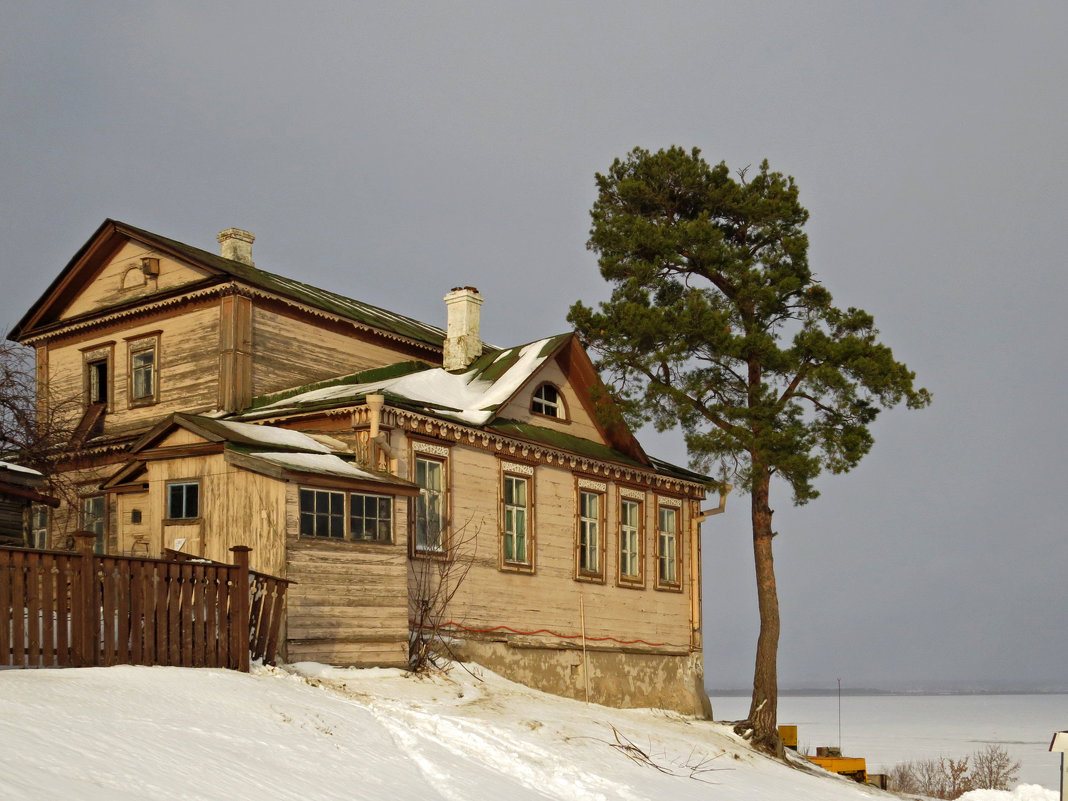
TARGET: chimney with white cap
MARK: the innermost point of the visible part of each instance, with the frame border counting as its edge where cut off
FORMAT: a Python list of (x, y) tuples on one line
[(237, 245), (462, 342)]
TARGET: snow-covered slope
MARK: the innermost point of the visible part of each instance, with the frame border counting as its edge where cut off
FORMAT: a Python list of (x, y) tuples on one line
[(316, 733)]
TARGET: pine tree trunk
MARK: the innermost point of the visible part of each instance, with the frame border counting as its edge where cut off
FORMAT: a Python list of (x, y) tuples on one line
[(763, 711)]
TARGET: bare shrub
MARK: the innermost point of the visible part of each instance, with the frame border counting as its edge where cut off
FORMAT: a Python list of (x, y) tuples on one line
[(433, 581), (36, 426), (991, 769)]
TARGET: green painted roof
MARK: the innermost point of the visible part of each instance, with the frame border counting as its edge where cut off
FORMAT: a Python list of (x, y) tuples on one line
[(332, 302)]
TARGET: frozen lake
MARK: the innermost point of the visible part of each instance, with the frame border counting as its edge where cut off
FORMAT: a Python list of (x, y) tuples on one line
[(887, 729)]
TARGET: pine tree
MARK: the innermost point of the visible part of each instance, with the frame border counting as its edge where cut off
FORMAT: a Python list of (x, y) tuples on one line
[(717, 324)]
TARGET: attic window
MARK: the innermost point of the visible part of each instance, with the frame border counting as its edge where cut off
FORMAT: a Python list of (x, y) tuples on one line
[(547, 401)]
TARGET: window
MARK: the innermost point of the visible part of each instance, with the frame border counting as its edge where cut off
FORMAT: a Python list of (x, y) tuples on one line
[(516, 519), (93, 520), (143, 374), (371, 517), (667, 545), (97, 380), (39, 526), (589, 545), (430, 504), (183, 500), (323, 514), (630, 532), (547, 401)]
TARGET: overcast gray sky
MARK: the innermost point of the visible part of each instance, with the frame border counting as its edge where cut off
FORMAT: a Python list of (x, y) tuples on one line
[(390, 151)]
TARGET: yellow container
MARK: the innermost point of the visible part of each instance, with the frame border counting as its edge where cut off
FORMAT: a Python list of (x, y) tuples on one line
[(788, 735)]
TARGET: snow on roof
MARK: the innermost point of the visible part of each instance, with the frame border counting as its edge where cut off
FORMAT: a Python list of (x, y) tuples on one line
[(323, 463), (269, 435), (463, 396), (17, 468)]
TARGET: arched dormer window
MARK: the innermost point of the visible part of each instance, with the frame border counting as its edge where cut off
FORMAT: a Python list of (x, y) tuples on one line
[(547, 401)]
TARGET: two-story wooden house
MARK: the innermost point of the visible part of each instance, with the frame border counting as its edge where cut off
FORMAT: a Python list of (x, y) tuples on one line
[(372, 459)]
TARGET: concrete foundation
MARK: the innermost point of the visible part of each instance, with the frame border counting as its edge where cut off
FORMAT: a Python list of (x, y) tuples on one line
[(615, 678)]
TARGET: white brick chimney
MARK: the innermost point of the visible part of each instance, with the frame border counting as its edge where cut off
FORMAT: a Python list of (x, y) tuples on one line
[(462, 342), (237, 245)]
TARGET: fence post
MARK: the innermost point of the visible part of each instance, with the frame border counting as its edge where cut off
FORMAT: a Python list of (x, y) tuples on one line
[(84, 616), (239, 623)]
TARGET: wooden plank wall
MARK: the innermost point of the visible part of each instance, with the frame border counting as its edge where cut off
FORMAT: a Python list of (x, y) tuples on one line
[(549, 598), (290, 351), (187, 366), (349, 603)]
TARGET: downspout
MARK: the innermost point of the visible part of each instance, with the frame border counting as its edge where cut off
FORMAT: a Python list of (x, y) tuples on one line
[(374, 409)]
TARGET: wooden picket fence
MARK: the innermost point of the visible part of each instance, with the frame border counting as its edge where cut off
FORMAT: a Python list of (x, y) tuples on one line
[(77, 609)]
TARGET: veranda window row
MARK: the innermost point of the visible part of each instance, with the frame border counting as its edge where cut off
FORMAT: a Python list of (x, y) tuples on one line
[(354, 516)]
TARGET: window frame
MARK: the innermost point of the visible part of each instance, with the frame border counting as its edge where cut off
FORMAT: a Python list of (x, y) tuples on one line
[(316, 514), (599, 490), (515, 471), (102, 353), (559, 404), (636, 497), (390, 504), (430, 453), (344, 516), (673, 505), (136, 346), (99, 523), (168, 498), (39, 519)]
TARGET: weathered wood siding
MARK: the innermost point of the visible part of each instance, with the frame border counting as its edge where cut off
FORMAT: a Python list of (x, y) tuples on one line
[(549, 597), (11, 521), (121, 280), (289, 351), (349, 603), (236, 507), (578, 422), (187, 366)]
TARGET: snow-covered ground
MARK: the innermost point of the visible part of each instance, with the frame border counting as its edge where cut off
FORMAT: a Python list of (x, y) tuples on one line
[(313, 732)]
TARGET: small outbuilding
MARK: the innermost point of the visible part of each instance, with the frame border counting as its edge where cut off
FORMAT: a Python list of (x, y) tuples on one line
[(20, 487)]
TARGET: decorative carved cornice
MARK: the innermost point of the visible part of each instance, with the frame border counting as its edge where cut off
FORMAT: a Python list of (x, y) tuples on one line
[(228, 288), (457, 433)]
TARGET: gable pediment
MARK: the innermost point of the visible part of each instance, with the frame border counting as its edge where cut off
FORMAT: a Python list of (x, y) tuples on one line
[(120, 266), (571, 373), (134, 272)]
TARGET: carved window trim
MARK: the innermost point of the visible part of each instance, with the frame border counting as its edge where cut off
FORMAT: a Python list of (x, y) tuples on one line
[(517, 474), (630, 537), (136, 349), (668, 544)]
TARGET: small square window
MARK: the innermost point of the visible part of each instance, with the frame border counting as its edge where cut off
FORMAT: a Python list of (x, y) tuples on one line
[(183, 500), (322, 514), (371, 517)]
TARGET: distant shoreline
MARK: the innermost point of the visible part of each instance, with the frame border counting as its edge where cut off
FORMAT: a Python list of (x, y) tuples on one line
[(822, 691)]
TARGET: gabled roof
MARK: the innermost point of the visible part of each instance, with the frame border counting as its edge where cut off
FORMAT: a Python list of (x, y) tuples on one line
[(110, 236), (474, 397), (276, 452)]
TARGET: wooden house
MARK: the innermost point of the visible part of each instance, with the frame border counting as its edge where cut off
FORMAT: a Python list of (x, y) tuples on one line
[(22, 498), (378, 462)]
